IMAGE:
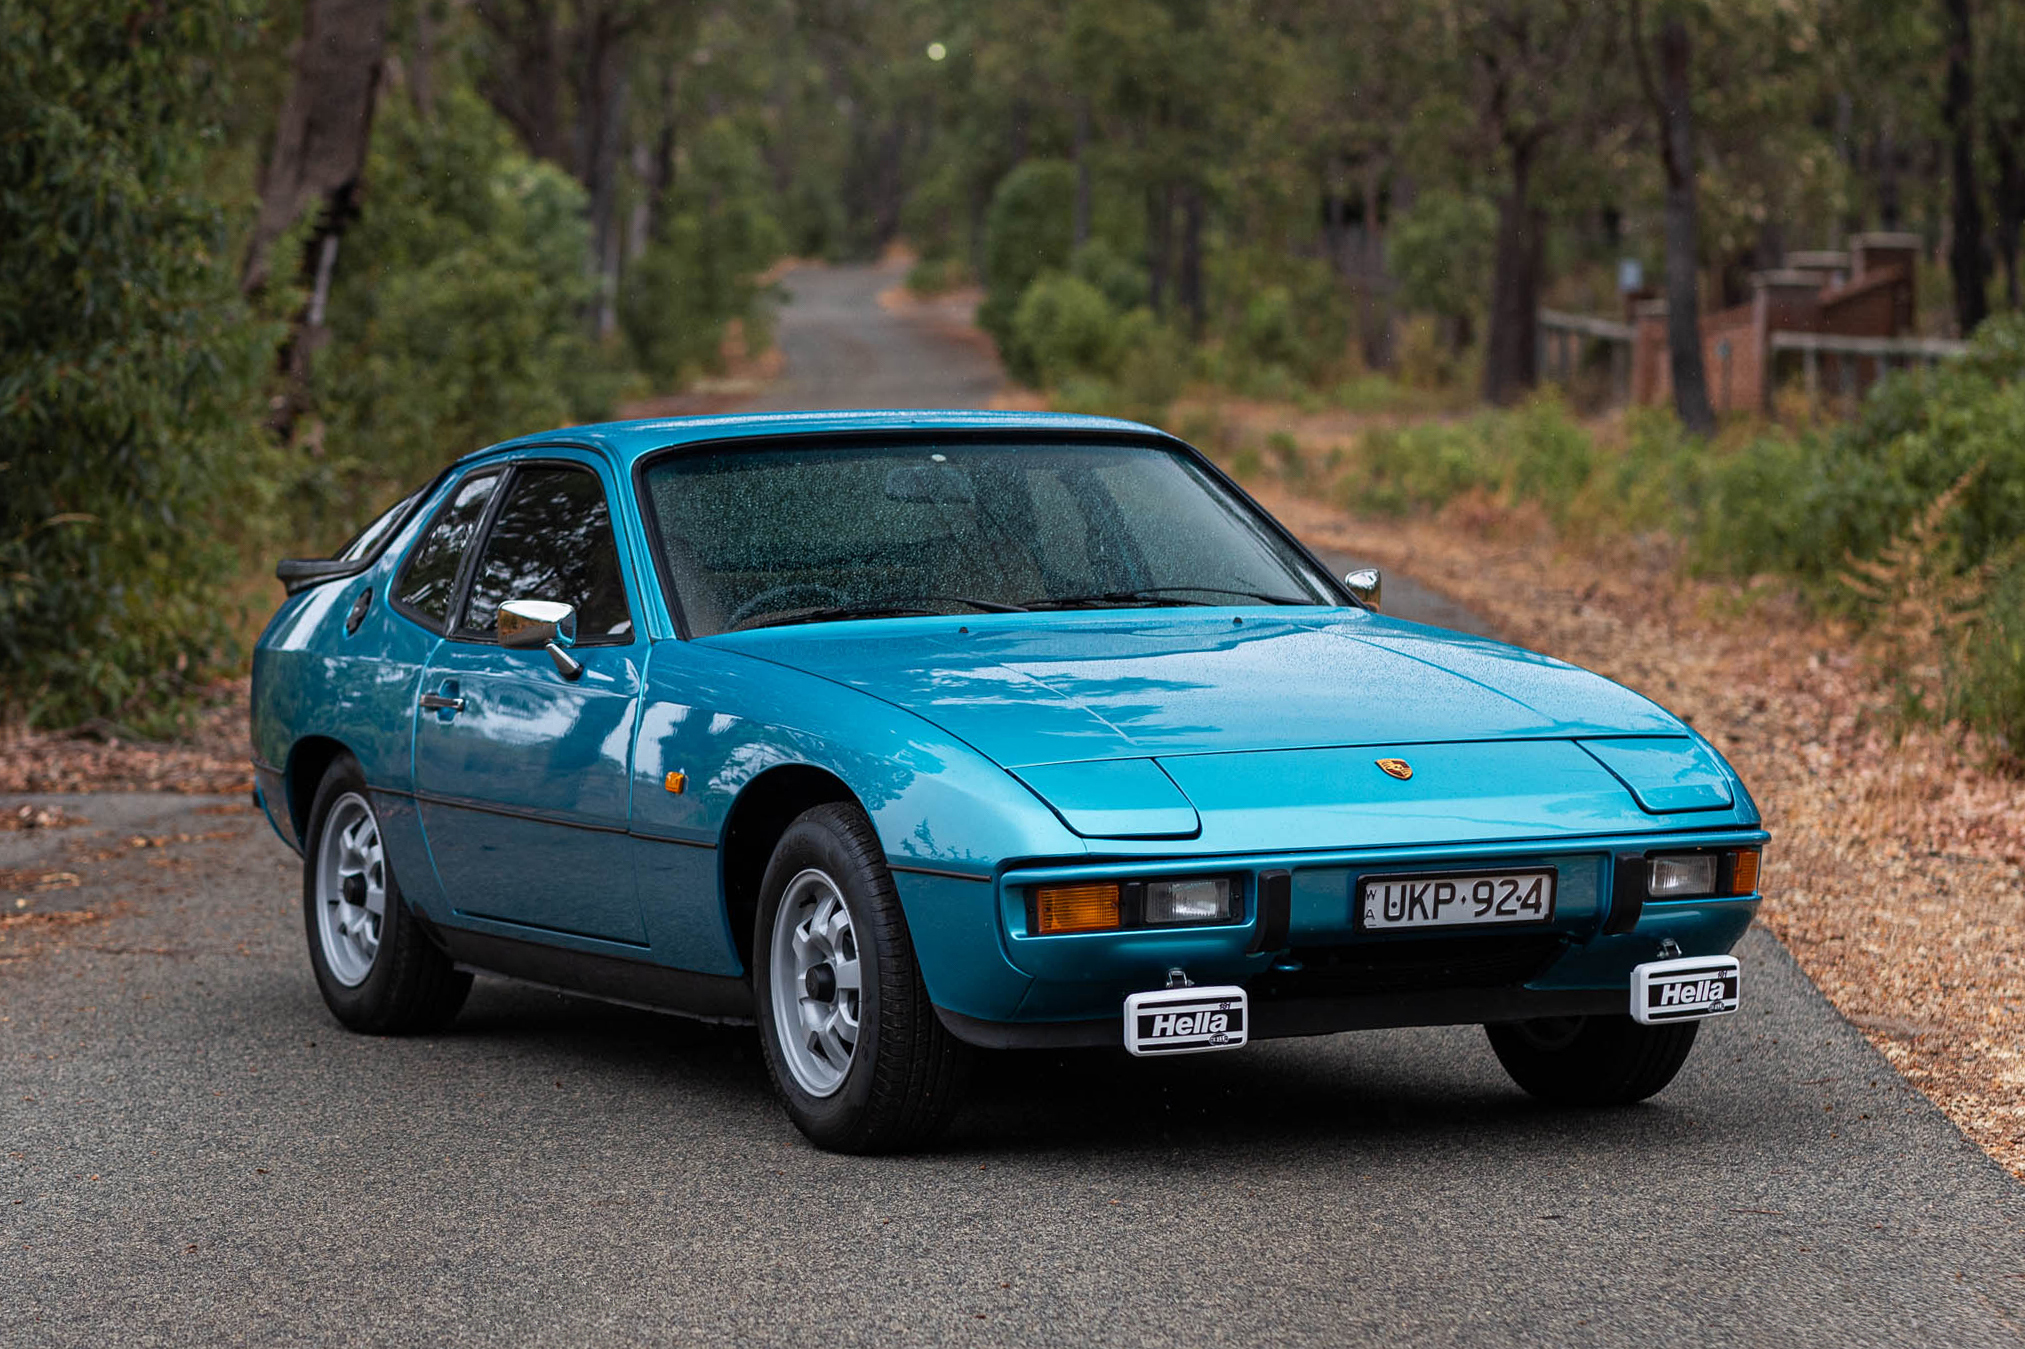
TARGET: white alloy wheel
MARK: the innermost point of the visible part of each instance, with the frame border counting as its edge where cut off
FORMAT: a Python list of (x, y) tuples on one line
[(816, 982), (351, 889)]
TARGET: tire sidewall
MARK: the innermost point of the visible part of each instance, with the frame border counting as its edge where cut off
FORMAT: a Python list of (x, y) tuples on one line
[(812, 843), (358, 1005)]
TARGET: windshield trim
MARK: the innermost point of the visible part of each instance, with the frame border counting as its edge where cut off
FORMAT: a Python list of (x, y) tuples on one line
[(920, 434)]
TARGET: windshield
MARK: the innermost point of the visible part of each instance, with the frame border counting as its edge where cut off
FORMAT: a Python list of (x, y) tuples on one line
[(766, 536)]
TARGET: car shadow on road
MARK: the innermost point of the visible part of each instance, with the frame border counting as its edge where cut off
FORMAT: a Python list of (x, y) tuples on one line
[(1426, 1089)]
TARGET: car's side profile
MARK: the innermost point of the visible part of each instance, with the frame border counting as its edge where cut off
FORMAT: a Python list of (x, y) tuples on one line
[(907, 735)]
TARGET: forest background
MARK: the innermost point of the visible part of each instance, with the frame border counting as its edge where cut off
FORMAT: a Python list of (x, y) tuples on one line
[(266, 266)]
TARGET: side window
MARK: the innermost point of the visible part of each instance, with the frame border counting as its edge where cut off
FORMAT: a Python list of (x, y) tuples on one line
[(552, 540), (424, 587)]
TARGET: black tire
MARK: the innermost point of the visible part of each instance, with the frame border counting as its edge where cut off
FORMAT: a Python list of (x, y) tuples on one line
[(1592, 1060), (411, 986), (905, 1074)]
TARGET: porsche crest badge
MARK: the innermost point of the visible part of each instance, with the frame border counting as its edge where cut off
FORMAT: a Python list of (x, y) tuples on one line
[(1398, 768)]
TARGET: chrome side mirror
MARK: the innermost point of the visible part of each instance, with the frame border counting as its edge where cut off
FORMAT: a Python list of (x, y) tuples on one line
[(1367, 584), (524, 625)]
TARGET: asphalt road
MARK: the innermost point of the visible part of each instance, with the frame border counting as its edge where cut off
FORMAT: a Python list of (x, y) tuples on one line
[(192, 1152)]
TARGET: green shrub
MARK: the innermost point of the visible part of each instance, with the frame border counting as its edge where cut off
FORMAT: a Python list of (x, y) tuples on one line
[(1028, 230), (716, 232), (1062, 327), (130, 369), (1122, 283), (1987, 690), (1441, 251), (458, 313)]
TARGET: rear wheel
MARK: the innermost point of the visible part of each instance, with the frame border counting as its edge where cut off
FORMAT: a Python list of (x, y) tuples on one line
[(858, 1054), (1592, 1060), (378, 971)]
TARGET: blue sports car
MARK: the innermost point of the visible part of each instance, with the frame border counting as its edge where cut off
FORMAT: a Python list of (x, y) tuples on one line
[(909, 735)]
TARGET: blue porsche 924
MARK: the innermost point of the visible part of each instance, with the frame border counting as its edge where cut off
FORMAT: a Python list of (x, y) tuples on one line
[(908, 735)]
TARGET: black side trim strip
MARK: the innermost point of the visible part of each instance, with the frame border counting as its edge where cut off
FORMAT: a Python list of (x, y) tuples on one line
[(892, 865), (486, 808), (629, 983)]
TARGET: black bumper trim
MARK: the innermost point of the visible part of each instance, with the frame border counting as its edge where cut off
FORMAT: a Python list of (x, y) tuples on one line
[(1288, 1018)]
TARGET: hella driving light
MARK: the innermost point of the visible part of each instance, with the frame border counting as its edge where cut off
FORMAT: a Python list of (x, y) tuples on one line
[(1682, 876), (1189, 901)]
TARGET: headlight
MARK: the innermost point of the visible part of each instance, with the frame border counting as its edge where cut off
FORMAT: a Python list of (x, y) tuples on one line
[(1701, 875), (1191, 901), (1681, 876)]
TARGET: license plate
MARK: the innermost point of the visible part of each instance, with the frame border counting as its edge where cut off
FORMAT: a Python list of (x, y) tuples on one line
[(1462, 899), (1186, 1020), (1685, 989)]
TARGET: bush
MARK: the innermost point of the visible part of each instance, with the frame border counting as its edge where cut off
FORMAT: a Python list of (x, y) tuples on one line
[(1028, 229), (1441, 252), (130, 369), (1987, 689), (1063, 326), (715, 234), (462, 320)]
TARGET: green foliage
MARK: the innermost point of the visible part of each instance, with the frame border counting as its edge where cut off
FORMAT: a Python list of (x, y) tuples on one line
[(1987, 687), (1441, 252), (130, 368), (1063, 326), (457, 312), (1028, 230), (1537, 453), (1802, 504), (718, 234)]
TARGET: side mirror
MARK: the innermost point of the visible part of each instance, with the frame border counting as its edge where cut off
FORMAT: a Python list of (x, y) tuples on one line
[(524, 625), (1367, 584)]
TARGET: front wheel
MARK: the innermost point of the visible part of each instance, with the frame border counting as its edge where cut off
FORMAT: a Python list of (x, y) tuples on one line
[(856, 1051), (1592, 1060)]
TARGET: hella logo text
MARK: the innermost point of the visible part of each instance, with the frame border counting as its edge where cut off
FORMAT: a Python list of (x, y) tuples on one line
[(1693, 992), (1168, 1024)]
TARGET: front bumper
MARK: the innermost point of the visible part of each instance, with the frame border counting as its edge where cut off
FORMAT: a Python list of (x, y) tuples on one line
[(1326, 975)]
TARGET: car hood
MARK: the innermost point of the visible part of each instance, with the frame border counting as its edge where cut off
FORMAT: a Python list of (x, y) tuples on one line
[(1031, 689)]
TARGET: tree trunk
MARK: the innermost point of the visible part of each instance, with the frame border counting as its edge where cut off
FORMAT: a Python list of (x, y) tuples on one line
[(320, 144), (1511, 351), (529, 96), (1683, 305), (601, 100), (324, 129), (1965, 252), (1375, 282), (1188, 289), (422, 60), (1080, 231), (1159, 243), (2010, 203)]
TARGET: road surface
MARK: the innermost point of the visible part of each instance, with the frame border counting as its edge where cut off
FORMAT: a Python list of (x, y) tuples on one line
[(194, 1153)]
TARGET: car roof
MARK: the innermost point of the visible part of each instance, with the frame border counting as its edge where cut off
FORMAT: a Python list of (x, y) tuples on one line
[(627, 441)]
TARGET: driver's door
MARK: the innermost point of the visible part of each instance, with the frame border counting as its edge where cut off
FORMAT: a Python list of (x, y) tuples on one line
[(522, 773)]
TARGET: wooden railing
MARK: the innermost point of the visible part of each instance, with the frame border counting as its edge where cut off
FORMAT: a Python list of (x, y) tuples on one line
[(1561, 338), (1849, 351)]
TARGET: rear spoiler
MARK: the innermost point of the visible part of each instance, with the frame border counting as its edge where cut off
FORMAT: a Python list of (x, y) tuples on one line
[(298, 574)]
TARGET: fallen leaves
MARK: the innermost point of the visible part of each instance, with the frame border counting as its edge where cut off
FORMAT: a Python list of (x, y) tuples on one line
[(39, 817), (213, 758)]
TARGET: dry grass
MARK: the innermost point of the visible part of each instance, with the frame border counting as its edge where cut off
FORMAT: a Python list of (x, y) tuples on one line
[(1894, 872)]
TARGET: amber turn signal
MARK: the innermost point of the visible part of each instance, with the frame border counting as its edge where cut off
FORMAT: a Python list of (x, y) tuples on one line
[(1744, 879), (1075, 908)]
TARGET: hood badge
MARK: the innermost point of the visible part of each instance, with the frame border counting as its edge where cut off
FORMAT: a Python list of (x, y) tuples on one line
[(1398, 768)]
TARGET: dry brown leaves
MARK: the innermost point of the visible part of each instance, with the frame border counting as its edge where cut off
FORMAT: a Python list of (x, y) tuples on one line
[(1894, 872), (215, 757)]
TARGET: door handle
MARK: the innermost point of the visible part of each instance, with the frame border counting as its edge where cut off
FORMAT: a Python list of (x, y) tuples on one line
[(436, 702)]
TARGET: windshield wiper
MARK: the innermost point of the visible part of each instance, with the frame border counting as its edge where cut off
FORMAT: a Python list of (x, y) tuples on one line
[(1162, 595), (829, 613)]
